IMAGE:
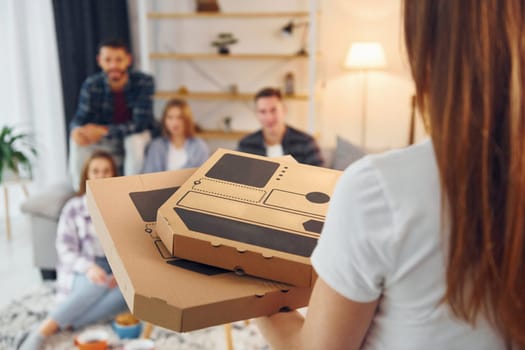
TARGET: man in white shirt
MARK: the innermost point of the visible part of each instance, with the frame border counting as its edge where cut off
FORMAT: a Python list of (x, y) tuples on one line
[(276, 138)]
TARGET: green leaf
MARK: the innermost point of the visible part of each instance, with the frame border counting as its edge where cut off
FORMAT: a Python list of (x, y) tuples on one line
[(5, 131), (15, 150), (20, 157)]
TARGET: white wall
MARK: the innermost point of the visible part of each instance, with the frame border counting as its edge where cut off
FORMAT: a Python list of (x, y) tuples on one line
[(30, 91), (389, 90), (340, 105)]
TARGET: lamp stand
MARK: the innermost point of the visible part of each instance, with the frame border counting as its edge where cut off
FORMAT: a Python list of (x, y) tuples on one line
[(364, 98)]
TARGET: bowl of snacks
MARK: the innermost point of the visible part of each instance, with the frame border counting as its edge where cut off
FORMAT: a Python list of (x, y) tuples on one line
[(127, 326), (93, 339)]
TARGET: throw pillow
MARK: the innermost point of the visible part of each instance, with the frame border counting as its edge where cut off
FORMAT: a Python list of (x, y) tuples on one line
[(48, 204), (346, 153)]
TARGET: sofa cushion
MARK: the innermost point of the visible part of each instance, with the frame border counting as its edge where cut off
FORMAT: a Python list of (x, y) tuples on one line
[(48, 204), (345, 154)]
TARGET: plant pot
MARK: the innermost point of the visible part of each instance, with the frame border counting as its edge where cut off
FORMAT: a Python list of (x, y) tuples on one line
[(224, 50), (9, 175)]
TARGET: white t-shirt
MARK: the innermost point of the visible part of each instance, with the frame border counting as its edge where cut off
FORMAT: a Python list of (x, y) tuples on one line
[(274, 151), (383, 237), (177, 157)]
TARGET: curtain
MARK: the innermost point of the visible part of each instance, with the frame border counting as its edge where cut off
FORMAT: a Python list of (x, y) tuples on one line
[(30, 88), (80, 26)]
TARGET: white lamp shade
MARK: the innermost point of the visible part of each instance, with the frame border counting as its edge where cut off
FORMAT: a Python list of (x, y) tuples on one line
[(365, 55)]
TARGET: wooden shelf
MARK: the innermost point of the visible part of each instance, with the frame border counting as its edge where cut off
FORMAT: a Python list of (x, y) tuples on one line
[(218, 96), (208, 15), (164, 57), (214, 56), (222, 135)]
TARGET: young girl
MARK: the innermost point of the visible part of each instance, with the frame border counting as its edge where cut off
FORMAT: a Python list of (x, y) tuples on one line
[(424, 248), (178, 147), (86, 290)]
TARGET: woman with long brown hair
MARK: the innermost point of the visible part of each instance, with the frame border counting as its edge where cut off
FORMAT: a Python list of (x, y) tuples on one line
[(87, 291), (424, 248)]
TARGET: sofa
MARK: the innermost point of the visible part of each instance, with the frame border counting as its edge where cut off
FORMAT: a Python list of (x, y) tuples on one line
[(45, 207), (44, 210)]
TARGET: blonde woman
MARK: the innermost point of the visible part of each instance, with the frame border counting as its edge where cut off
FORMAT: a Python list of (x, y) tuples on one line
[(178, 147)]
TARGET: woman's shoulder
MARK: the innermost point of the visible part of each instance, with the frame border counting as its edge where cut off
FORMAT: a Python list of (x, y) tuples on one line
[(75, 201), (197, 141), (73, 205), (418, 154), (396, 167), (158, 142), (404, 178), (391, 199)]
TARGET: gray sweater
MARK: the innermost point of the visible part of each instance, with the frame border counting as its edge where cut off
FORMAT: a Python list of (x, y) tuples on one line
[(156, 156)]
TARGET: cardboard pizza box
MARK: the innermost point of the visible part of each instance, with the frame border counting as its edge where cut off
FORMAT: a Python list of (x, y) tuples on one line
[(254, 215), (177, 294)]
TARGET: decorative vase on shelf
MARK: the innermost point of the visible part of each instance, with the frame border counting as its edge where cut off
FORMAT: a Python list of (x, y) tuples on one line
[(289, 84), (227, 124), (224, 50), (233, 89), (183, 90)]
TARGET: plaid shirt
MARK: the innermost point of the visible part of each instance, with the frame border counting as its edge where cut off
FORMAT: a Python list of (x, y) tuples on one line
[(296, 143), (95, 104), (76, 243)]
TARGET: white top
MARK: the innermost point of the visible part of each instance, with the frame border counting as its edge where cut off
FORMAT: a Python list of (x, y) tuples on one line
[(383, 237), (274, 151), (177, 157)]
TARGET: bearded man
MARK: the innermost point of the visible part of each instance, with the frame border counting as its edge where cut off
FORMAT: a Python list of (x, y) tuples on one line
[(113, 104)]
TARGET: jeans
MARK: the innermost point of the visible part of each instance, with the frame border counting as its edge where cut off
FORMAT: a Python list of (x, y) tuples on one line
[(89, 303)]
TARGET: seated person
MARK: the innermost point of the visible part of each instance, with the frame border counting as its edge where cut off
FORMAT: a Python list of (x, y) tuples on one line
[(112, 104), (276, 138), (87, 292), (178, 147)]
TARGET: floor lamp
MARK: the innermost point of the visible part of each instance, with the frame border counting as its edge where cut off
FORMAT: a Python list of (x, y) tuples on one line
[(364, 57)]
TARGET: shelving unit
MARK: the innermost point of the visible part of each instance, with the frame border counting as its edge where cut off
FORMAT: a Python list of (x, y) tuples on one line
[(218, 96), (166, 15), (151, 56), (224, 135), (212, 56)]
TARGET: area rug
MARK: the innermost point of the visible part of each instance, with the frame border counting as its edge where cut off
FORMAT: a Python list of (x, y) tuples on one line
[(27, 311)]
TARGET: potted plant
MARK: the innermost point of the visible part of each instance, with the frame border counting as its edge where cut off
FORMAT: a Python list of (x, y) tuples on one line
[(15, 153), (223, 41)]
